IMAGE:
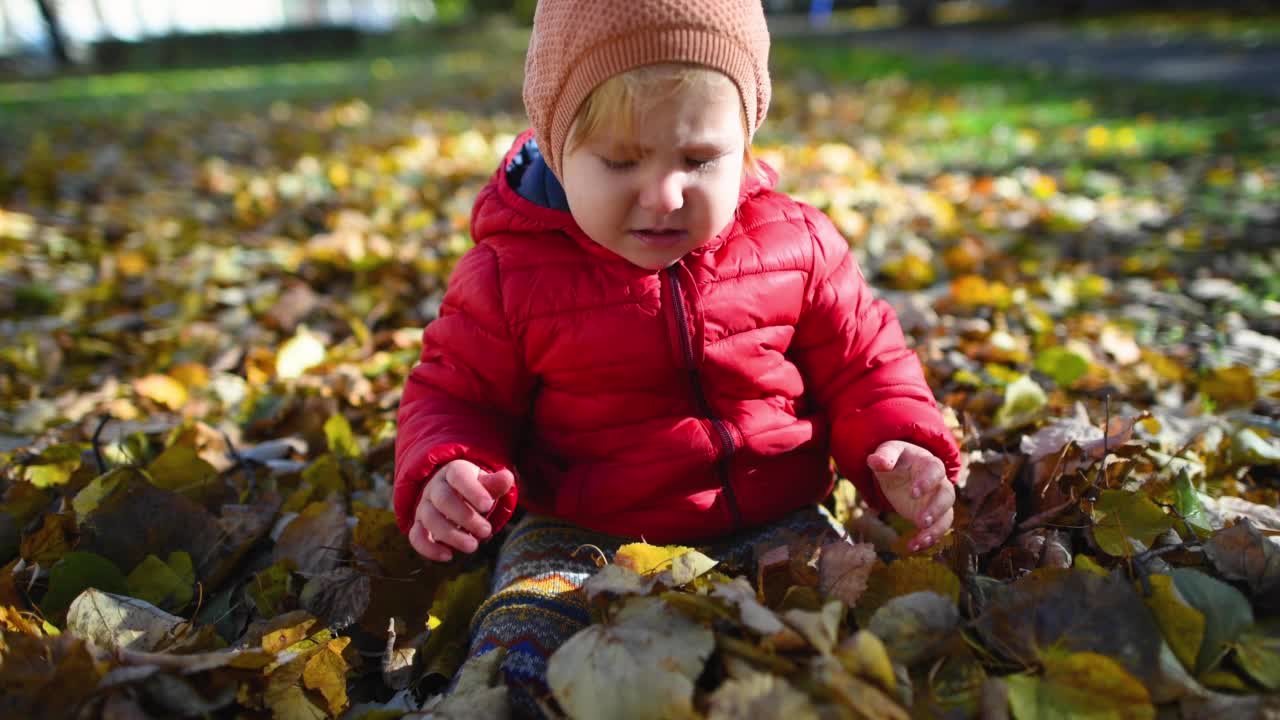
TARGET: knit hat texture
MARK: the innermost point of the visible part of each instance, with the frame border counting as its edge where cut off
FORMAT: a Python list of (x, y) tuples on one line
[(577, 44)]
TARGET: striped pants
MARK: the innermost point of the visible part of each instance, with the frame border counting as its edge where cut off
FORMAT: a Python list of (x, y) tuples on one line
[(536, 603)]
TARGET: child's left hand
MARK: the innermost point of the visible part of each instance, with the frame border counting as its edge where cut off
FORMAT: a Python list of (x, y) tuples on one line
[(915, 483)]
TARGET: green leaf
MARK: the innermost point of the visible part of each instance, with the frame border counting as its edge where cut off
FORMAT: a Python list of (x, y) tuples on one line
[(1062, 365), (54, 465), (1259, 655), (88, 499), (1119, 515), (181, 470), (1226, 611), (75, 573), (342, 441), (270, 588), (1024, 400), (1079, 685), (165, 585), (1186, 500)]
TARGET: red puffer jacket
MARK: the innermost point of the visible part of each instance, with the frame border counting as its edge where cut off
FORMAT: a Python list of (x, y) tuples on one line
[(675, 405)]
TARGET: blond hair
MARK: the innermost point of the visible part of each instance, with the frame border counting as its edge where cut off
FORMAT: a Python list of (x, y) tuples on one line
[(614, 103)]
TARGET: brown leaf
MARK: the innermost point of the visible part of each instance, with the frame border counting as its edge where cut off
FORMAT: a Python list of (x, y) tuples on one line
[(315, 540), (843, 569), (51, 541), (1240, 552), (292, 307), (137, 518), (989, 523), (45, 677), (339, 596)]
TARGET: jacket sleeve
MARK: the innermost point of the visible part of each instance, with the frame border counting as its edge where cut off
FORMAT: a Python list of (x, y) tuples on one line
[(852, 352), (468, 396)]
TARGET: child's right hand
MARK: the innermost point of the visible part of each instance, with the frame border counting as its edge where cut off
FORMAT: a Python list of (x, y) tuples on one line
[(450, 515)]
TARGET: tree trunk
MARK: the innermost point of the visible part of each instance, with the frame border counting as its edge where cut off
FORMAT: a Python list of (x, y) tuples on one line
[(57, 44)]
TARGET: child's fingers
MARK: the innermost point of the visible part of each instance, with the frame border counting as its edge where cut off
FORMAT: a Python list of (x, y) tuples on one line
[(934, 532), (464, 478), (885, 458), (458, 512), (499, 483), (421, 541), (446, 533), (941, 501)]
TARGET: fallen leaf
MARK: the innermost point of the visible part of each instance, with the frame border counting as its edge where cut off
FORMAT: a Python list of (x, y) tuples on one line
[(843, 569), (1119, 515), (1182, 625), (315, 540), (1226, 612), (169, 585), (1240, 552), (75, 573), (821, 628), (903, 577), (1024, 401), (760, 695), (915, 625), (326, 673), (339, 596), (1259, 655), (640, 665), (1081, 684)]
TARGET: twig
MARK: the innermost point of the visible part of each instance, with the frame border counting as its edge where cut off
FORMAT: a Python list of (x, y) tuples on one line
[(97, 444), (240, 462), (1042, 518), (747, 651)]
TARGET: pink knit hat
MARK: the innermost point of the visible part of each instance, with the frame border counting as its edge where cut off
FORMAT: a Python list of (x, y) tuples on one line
[(577, 44)]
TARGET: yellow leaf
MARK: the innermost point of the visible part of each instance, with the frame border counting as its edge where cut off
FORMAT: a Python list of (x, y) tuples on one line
[(903, 577), (132, 263), (191, 374), (864, 654), (1229, 387), (161, 389), (1044, 187), (646, 559), (1181, 624), (1097, 138), (326, 673), (298, 354), (1077, 685), (180, 469), (278, 639)]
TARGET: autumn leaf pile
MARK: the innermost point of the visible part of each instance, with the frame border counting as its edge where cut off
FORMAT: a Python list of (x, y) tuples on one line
[(207, 316)]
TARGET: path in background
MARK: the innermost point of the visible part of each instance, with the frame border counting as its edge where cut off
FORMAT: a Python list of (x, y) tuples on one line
[(1121, 56)]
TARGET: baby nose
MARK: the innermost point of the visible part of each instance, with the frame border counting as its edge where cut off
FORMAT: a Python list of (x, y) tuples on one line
[(664, 194)]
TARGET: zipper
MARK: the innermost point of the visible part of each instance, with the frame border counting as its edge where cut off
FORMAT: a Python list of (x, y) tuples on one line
[(725, 455)]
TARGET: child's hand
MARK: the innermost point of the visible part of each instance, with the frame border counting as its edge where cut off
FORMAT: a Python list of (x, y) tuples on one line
[(450, 515), (915, 482)]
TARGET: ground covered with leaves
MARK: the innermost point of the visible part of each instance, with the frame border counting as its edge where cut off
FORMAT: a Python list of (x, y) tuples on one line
[(209, 302)]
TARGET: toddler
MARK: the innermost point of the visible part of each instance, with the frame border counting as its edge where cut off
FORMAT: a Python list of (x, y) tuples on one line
[(647, 341)]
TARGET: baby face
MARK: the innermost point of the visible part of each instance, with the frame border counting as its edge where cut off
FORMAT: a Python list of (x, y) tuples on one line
[(671, 184)]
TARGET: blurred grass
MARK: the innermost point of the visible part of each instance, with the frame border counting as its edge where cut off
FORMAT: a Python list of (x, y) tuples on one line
[(959, 114), (1223, 26), (964, 109)]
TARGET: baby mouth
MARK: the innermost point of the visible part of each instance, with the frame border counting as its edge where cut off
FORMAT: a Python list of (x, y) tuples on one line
[(661, 237)]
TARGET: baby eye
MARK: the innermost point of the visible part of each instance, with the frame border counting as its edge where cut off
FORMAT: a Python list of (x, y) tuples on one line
[(697, 163), (618, 165)]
